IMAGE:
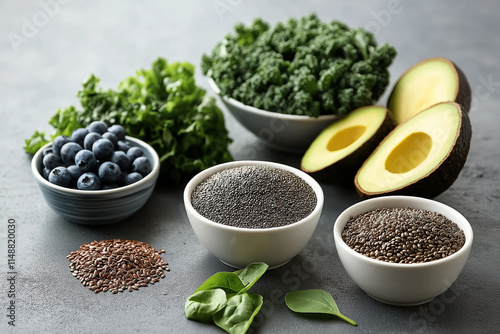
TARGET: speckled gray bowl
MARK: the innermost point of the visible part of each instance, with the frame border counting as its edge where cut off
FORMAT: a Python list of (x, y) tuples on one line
[(98, 207)]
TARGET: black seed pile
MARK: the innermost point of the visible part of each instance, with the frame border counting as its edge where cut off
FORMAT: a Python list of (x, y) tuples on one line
[(403, 235), (117, 265), (254, 197)]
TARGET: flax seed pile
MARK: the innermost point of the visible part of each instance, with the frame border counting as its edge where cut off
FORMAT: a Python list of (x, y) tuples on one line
[(254, 197), (403, 235), (117, 265)]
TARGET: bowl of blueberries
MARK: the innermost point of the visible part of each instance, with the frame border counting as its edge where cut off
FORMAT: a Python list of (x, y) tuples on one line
[(96, 176)]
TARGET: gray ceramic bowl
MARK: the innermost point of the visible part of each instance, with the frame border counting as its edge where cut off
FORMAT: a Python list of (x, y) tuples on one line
[(98, 207), (290, 133)]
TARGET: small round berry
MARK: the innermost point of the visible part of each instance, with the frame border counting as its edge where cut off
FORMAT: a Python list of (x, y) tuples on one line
[(89, 181)]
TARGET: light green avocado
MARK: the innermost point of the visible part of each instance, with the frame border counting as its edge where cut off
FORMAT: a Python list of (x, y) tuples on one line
[(429, 82), (421, 157), (340, 149)]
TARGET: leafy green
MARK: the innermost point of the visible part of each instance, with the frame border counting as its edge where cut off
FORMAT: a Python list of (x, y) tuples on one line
[(202, 305), (301, 67), (223, 298), (239, 312), (162, 106), (314, 301), (251, 274), (229, 282)]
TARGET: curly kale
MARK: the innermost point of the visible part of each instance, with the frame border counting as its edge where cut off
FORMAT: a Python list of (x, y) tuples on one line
[(300, 67)]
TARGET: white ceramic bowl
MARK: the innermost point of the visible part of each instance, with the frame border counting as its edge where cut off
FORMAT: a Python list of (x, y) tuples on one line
[(290, 133), (98, 207), (238, 247), (402, 284)]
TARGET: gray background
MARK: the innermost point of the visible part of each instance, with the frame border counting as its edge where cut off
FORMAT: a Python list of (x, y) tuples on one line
[(114, 38)]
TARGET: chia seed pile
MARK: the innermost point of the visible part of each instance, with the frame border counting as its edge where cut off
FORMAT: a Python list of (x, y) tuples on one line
[(254, 197), (403, 235), (117, 265)]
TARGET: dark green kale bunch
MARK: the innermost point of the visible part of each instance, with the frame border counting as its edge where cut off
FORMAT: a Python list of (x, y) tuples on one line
[(300, 67)]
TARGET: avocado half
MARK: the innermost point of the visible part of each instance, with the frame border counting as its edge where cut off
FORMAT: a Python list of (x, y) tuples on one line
[(420, 157), (429, 82), (340, 149)]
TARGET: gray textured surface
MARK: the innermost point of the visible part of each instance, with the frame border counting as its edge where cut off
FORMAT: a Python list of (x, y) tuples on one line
[(114, 38)]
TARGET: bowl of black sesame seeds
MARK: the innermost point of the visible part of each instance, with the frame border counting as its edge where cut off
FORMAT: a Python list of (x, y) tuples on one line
[(253, 211), (403, 250)]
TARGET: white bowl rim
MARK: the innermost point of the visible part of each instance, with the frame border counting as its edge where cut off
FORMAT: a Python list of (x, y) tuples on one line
[(201, 176), (266, 113), (467, 228), (154, 172)]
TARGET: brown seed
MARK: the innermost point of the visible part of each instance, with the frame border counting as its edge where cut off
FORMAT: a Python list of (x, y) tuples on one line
[(117, 265), (411, 235)]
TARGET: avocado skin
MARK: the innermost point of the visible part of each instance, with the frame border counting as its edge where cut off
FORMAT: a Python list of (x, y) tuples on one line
[(464, 94), (343, 171), (440, 179)]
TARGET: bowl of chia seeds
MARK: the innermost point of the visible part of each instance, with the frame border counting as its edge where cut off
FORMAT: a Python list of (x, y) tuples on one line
[(253, 211), (402, 250)]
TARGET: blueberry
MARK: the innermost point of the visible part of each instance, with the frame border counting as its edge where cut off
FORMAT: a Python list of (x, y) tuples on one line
[(141, 165), (68, 152), (90, 139), (47, 151), (79, 135), (45, 173), (58, 142), (109, 186), (85, 160), (89, 181), (122, 146), (109, 172), (97, 126), (103, 149), (60, 176), (121, 159), (51, 161), (118, 130), (74, 171), (134, 152), (112, 137), (131, 178)]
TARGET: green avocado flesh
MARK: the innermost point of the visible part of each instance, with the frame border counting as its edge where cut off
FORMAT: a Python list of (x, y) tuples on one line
[(421, 157), (341, 148), (429, 82)]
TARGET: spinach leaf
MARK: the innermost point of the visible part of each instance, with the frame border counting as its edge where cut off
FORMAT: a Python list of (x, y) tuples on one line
[(251, 274), (229, 282), (223, 298), (314, 301), (202, 305), (239, 312)]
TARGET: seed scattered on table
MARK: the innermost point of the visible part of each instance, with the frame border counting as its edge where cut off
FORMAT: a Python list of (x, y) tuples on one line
[(254, 196), (116, 265), (403, 235)]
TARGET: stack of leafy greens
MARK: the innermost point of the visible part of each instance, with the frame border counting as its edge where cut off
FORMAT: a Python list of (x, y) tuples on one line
[(223, 299), (301, 67), (162, 106)]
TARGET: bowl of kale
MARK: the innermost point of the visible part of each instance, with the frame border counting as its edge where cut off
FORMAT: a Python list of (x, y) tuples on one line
[(286, 82)]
